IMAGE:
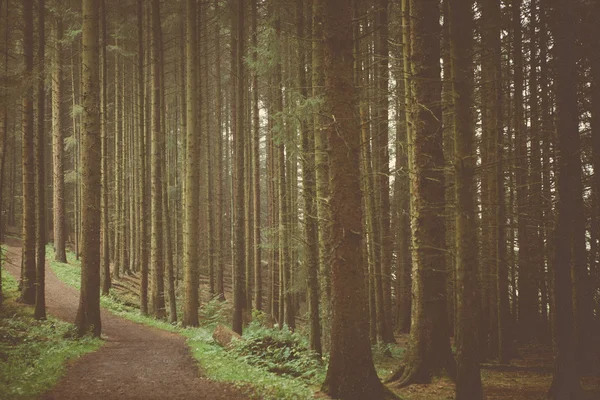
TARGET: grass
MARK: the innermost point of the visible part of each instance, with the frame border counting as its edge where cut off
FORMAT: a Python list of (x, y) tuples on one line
[(33, 353), (216, 363)]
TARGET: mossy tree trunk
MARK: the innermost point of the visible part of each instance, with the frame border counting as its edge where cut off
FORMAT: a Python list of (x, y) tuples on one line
[(429, 345)]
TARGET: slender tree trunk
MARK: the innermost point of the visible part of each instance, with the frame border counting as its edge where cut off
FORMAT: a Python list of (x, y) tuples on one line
[(28, 156), (143, 139), (238, 193), (40, 288), (156, 245), (468, 376), (58, 144), (88, 314)]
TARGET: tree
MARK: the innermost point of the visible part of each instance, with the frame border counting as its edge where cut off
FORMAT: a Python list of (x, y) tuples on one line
[(565, 383), (429, 345), (142, 162), (156, 244), (29, 221), (192, 193), (58, 132), (468, 377), (351, 374), (88, 314), (238, 192), (40, 204)]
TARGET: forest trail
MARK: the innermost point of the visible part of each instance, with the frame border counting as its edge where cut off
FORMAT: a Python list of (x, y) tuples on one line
[(136, 362)]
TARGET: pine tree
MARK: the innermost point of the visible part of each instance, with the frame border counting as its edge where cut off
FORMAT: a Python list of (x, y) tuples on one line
[(88, 314), (351, 374)]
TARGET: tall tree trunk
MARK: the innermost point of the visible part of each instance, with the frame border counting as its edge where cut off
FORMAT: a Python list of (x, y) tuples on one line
[(238, 192), (351, 374), (156, 245), (40, 167), (565, 382), (142, 160), (58, 144), (468, 376), (88, 314), (258, 290), (192, 193), (429, 344), (311, 249), (322, 171), (28, 156), (105, 252)]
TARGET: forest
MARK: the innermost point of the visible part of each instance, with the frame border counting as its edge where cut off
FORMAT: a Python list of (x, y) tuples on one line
[(348, 199)]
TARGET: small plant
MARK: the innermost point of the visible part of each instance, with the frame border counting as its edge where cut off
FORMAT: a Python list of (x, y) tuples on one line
[(280, 351)]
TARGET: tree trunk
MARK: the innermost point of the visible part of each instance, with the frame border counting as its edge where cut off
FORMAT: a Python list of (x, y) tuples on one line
[(88, 314), (468, 376), (429, 344), (58, 145), (351, 374), (28, 156), (238, 193), (156, 245), (565, 382), (40, 167)]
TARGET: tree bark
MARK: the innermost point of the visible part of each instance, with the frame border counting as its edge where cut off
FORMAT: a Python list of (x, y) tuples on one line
[(88, 314), (351, 374)]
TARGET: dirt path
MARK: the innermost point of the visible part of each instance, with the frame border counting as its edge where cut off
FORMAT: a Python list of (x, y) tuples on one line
[(136, 362)]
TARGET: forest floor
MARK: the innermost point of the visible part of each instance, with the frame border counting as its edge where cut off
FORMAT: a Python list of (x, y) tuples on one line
[(141, 362), (135, 362)]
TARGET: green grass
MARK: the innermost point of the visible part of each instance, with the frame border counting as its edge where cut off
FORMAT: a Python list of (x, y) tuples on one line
[(216, 363), (33, 353)]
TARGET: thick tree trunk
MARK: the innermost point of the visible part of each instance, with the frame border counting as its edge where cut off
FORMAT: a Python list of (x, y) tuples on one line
[(351, 374), (88, 314), (429, 346), (565, 383)]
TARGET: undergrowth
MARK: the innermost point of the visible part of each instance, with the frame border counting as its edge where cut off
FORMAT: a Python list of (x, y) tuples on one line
[(33, 353), (216, 362)]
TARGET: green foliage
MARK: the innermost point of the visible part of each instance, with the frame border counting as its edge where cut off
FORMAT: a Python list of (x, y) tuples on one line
[(212, 313), (33, 353), (216, 362), (280, 351), (219, 364)]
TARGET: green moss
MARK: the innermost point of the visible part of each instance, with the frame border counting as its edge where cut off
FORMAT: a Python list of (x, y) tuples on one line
[(33, 353)]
